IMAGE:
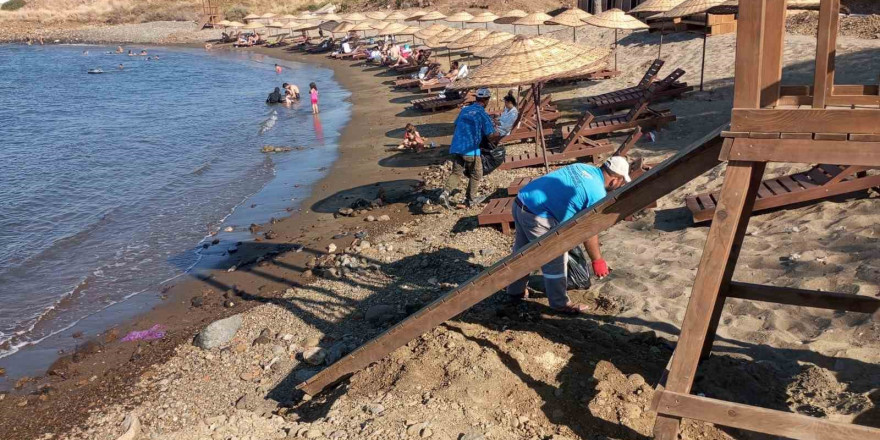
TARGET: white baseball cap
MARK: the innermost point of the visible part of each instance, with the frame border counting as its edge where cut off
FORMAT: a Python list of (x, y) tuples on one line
[(484, 93), (618, 165)]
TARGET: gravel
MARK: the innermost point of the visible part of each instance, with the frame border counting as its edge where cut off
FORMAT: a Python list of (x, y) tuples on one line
[(157, 32)]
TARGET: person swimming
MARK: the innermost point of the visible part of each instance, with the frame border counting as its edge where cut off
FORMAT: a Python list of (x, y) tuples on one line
[(130, 53), (275, 97), (121, 66), (143, 52), (119, 49)]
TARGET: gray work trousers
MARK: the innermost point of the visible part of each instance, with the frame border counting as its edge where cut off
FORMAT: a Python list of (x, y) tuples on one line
[(470, 166), (529, 227)]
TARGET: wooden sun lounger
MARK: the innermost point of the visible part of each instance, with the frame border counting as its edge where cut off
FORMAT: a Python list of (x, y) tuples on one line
[(819, 182), (526, 125), (585, 148), (436, 103), (500, 211), (639, 116), (592, 76), (667, 88)]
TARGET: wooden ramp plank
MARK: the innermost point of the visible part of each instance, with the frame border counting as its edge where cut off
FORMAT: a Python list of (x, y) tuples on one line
[(689, 163)]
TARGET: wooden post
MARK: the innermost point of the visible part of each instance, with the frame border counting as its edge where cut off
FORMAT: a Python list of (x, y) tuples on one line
[(774, 42), (826, 46), (615, 50), (703, 63), (660, 49), (536, 92)]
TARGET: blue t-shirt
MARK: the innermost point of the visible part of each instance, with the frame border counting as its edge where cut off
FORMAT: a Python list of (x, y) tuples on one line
[(564, 192), (471, 125)]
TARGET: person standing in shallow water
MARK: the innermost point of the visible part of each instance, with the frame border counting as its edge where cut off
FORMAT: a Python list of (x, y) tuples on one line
[(313, 92), (278, 69)]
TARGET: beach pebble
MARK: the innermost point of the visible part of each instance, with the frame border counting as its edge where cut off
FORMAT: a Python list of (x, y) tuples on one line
[(380, 313), (314, 355), (346, 212), (313, 433), (375, 409), (331, 248), (219, 332), (370, 218), (384, 218), (228, 229)]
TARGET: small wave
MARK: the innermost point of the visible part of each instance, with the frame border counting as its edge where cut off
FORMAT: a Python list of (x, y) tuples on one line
[(201, 169)]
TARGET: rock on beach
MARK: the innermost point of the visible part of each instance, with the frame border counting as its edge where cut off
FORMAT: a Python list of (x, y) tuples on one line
[(218, 333)]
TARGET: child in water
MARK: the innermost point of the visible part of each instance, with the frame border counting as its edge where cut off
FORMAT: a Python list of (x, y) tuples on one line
[(313, 91), (278, 69)]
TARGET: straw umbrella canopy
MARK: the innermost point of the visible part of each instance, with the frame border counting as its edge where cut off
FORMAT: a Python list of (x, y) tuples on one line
[(253, 25), (393, 29), (493, 39), (251, 17), (511, 16), (342, 28), (331, 17), (533, 60), (432, 16), (267, 16), (275, 24), (534, 19), (615, 19), (484, 17), (380, 25), (573, 18), (396, 15), (354, 17), (455, 35), (469, 40), (288, 17), (460, 17), (235, 24), (656, 6), (427, 33), (376, 15), (224, 22), (362, 26)]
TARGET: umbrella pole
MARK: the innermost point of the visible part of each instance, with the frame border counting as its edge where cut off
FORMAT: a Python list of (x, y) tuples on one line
[(703, 66), (574, 35), (514, 29), (487, 25), (540, 137), (615, 49), (539, 29), (660, 50)]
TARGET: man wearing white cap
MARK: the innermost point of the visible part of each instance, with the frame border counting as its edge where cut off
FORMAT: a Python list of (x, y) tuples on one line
[(472, 125), (553, 199)]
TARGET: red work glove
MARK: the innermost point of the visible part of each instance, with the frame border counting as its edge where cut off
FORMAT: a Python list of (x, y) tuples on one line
[(600, 268)]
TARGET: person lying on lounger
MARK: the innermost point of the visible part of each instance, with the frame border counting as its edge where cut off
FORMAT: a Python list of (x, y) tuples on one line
[(456, 71), (507, 117)]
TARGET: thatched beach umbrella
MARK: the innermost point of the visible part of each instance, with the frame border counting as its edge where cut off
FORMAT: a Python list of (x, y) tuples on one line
[(510, 17), (690, 7), (235, 24), (573, 18), (250, 17), (376, 15), (493, 39), (362, 26), (392, 29), (267, 16), (379, 25), (224, 23), (484, 17), (253, 25), (342, 28), (469, 40), (396, 15), (460, 17), (615, 19), (534, 60), (287, 17), (656, 6), (354, 17), (432, 16), (534, 19), (330, 17)]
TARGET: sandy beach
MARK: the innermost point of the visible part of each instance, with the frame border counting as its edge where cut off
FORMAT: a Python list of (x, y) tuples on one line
[(491, 373)]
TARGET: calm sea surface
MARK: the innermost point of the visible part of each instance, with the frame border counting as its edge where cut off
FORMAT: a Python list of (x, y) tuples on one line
[(111, 182)]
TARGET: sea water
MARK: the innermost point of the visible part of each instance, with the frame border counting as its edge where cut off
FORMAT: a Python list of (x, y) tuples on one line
[(112, 182)]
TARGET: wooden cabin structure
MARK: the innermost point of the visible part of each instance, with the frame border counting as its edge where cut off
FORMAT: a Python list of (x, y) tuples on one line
[(210, 15), (822, 123)]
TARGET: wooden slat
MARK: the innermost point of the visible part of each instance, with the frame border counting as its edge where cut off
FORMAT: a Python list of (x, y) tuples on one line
[(805, 298), (830, 136), (797, 151), (659, 181), (774, 186), (750, 418), (763, 135), (839, 90), (864, 137), (863, 121), (796, 135), (826, 48)]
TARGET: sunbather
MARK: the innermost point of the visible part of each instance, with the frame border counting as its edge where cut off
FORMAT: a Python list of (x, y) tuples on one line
[(456, 71), (508, 116)]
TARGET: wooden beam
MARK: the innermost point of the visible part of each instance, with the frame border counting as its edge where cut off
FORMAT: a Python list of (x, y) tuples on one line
[(768, 421), (774, 43), (659, 181), (826, 51), (804, 298), (806, 120), (799, 151), (838, 90), (843, 100), (749, 55), (741, 182)]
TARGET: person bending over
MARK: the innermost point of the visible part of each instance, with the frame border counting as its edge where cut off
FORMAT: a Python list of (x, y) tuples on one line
[(553, 199)]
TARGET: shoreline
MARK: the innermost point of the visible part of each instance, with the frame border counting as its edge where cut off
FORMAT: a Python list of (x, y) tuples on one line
[(102, 364)]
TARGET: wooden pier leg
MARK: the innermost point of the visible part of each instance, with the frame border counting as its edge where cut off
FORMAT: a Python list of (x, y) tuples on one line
[(741, 183), (826, 49)]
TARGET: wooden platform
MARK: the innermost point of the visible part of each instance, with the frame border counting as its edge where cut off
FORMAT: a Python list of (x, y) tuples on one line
[(820, 182)]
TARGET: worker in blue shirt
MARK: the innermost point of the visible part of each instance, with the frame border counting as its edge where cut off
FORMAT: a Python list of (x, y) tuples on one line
[(472, 125), (553, 199)]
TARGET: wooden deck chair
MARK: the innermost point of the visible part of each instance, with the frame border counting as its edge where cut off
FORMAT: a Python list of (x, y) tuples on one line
[(592, 76), (500, 211), (639, 116), (667, 88), (594, 150), (437, 103), (526, 125), (818, 183), (277, 42)]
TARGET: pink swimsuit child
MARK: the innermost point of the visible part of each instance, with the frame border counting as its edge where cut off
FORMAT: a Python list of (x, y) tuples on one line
[(314, 94)]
